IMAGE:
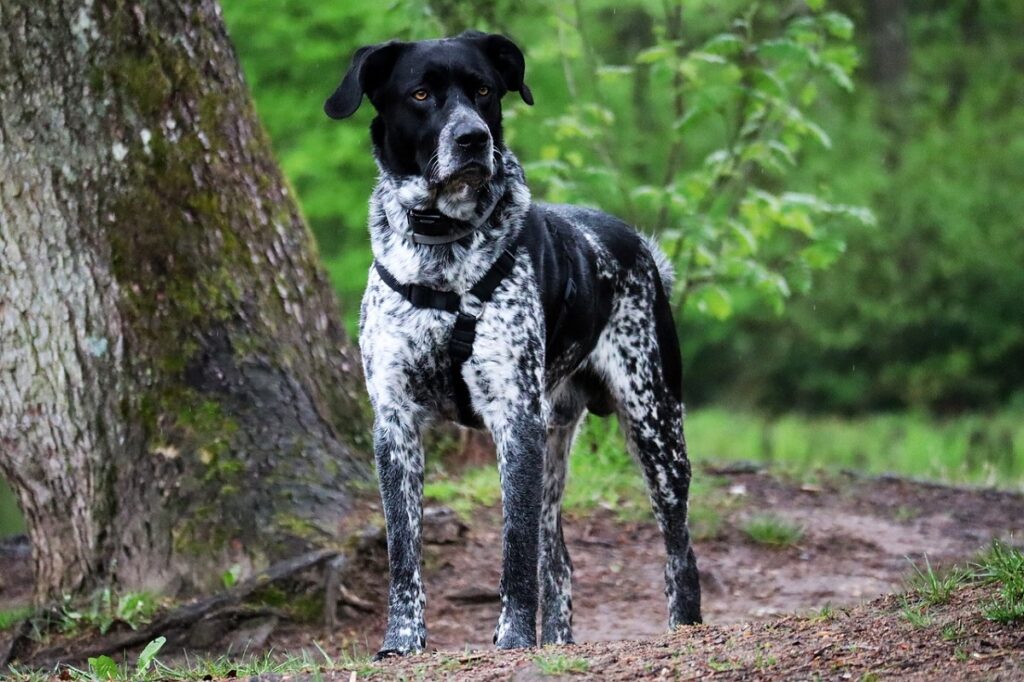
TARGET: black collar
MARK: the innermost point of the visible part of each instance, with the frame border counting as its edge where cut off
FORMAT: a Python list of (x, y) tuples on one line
[(432, 227)]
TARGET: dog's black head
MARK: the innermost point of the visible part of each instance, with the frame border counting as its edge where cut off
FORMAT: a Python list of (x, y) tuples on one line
[(438, 103)]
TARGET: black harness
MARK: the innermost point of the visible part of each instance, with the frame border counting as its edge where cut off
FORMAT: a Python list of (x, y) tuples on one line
[(433, 227), (467, 308)]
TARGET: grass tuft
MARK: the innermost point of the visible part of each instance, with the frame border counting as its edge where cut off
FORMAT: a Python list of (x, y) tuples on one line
[(933, 587), (916, 614), (552, 663), (773, 531), (1003, 565)]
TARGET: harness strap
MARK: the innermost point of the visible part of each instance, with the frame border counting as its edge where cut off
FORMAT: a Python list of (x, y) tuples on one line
[(467, 311)]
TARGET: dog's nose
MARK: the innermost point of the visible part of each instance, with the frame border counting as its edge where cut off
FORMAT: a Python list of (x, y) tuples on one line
[(472, 138)]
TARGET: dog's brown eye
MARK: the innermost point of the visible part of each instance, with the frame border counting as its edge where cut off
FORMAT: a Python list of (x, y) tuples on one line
[(420, 95), (483, 91)]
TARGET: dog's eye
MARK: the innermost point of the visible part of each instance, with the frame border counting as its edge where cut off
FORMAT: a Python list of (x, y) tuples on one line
[(420, 95), (483, 91)]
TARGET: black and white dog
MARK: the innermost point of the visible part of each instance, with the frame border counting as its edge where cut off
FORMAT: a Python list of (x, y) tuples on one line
[(489, 309)]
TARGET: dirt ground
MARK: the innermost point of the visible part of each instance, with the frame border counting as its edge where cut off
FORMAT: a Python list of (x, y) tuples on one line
[(761, 605), (859, 539)]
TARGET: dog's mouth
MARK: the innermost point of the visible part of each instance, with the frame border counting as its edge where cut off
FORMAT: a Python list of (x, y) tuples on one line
[(472, 175)]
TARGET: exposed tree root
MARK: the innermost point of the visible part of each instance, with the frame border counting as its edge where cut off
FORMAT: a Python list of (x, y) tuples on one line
[(171, 624)]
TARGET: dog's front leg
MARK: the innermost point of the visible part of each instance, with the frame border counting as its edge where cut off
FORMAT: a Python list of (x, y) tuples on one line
[(521, 443), (399, 456)]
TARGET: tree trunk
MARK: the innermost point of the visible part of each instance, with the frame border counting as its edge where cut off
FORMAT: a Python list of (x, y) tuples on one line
[(176, 393)]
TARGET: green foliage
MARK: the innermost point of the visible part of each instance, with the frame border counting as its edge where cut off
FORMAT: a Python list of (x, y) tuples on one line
[(104, 609), (773, 531), (924, 310), (721, 201), (230, 577), (730, 129)]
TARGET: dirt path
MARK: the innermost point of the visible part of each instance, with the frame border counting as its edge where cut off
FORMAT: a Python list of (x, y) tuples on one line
[(858, 536)]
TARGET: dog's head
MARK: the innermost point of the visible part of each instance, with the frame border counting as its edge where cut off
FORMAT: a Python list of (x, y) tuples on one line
[(438, 104)]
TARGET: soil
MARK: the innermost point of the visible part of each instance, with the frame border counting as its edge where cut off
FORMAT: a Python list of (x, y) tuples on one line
[(762, 605), (860, 536)]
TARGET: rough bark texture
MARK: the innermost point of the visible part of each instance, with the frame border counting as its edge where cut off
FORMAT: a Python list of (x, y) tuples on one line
[(176, 394)]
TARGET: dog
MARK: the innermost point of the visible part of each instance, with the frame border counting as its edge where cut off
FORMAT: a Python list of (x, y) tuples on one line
[(489, 309)]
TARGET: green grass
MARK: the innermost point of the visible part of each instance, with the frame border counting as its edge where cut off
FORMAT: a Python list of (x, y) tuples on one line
[(601, 476), (1003, 566), (772, 531), (9, 617), (915, 614), (551, 663), (934, 587), (969, 449), (147, 668)]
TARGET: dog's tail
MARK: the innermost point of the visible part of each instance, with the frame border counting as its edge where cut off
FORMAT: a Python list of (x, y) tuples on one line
[(665, 269)]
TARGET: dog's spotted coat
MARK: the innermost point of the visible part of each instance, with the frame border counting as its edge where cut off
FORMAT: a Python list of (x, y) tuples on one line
[(536, 367)]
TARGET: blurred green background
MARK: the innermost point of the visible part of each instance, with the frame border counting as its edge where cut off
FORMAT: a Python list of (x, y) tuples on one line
[(839, 185)]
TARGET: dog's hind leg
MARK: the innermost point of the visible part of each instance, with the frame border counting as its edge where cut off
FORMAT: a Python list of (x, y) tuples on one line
[(645, 388), (555, 564)]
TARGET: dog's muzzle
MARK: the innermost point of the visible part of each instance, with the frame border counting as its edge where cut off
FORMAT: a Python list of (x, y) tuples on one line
[(465, 151)]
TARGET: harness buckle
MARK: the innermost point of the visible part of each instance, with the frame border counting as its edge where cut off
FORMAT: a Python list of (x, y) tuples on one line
[(471, 306)]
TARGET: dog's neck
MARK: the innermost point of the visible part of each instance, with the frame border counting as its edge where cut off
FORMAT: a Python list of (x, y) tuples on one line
[(496, 209)]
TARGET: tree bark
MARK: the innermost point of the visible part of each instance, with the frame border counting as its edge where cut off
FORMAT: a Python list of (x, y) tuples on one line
[(176, 393)]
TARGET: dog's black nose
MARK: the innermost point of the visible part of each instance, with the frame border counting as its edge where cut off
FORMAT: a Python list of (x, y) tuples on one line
[(472, 137)]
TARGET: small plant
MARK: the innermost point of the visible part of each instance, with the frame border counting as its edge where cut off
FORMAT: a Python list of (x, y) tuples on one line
[(951, 632), (1003, 565), (721, 666), (960, 655), (102, 611), (916, 615), (773, 531), (230, 577), (103, 668), (936, 588), (764, 660), (826, 613), (560, 664)]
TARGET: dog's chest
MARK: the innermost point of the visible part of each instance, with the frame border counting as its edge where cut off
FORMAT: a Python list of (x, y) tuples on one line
[(405, 349)]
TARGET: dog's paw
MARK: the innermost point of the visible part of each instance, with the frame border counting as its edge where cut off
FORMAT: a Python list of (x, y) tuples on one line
[(403, 641), (514, 638)]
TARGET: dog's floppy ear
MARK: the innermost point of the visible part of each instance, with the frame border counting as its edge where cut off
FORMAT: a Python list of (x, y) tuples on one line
[(371, 66), (507, 58)]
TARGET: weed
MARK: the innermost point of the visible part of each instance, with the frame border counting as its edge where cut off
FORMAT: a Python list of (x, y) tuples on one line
[(915, 614), (722, 666), (960, 655), (935, 588), (551, 663), (103, 610), (951, 632), (826, 613), (763, 660), (1003, 565), (773, 531)]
